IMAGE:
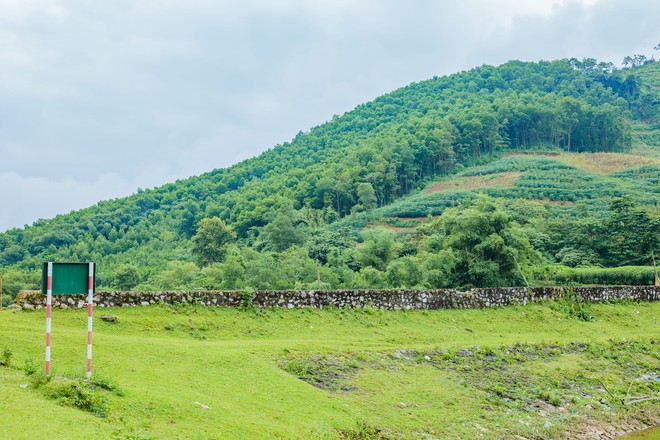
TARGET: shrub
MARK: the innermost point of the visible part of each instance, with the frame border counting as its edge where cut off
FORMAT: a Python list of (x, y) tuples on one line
[(90, 396), (625, 275), (76, 394), (5, 358), (573, 306), (29, 368)]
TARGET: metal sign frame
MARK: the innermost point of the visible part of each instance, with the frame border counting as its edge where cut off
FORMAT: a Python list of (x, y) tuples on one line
[(69, 279)]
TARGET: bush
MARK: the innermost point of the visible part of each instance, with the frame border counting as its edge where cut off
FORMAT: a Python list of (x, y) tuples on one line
[(30, 368), (5, 358), (76, 394), (126, 277), (90, 396), (625, 275), (573, 306)]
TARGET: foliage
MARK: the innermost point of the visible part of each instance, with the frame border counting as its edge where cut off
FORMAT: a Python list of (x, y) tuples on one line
[(378, 248), (625, 275), (76, 392), (211, 239), (5, 357), (285, 230), (484, 245), (126, 277), (247, 225), (572, 306)]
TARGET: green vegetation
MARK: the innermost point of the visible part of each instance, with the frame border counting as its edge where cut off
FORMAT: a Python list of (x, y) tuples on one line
[(192, 372), (567, 150), (86, 395)]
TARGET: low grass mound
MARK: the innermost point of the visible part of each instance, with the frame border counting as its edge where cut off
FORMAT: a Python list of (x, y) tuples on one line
[(77, 392)]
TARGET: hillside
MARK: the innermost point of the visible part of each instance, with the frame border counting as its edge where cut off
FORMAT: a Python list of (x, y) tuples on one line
[(280, 212)]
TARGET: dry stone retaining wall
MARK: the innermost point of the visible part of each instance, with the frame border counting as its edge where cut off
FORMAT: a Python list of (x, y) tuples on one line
[(393, 299)]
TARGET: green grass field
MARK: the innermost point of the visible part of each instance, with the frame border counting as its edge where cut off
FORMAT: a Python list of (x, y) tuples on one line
[(332, 373)]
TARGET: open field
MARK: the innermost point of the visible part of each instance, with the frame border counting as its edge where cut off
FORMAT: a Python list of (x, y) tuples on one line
[(462, 183), (607, 163), (365, 373)]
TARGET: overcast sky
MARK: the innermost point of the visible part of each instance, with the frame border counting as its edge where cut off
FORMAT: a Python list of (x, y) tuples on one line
[(98, 98)]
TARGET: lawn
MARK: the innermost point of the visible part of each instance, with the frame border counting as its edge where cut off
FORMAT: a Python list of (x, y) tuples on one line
[(194, 372)]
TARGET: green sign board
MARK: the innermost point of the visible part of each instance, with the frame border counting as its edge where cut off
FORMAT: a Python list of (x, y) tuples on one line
[(68, 278)]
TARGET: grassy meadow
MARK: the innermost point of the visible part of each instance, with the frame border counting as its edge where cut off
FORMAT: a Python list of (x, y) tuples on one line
[(170, 372)]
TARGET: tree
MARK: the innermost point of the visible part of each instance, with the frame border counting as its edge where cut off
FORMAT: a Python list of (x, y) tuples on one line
[(487, 244), (287, 229), (13, 254), (210, 242), (126, 277), (378, 249), (13, 281), (178, 275), (639, 60), (405, 272), (325, 241), (366, 196), (633, 234)]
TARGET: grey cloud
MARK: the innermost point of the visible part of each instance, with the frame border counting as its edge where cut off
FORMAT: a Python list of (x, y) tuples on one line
[(157, 90)]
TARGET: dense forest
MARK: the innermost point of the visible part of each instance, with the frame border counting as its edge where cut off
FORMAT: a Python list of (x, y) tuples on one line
[(350, 203)]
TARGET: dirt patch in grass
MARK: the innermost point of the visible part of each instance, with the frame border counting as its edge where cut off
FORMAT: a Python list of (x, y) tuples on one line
[(461, 183), (327, 372)]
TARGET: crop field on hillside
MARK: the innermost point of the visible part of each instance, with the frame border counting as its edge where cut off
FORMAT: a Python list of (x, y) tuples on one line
[(560, 180), (607, 163), (193, 372), (495, 179)]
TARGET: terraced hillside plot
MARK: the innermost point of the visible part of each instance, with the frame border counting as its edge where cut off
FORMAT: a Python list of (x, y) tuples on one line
[(562, 179)]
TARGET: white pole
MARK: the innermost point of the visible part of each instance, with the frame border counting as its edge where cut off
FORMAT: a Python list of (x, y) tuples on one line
[(90, 305), (49, 311)]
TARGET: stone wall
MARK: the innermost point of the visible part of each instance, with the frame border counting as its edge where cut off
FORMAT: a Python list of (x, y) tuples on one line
[(393, 299)]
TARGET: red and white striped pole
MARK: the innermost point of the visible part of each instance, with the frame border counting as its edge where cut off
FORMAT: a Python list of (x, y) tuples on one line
[(90, 305), (49, 311)]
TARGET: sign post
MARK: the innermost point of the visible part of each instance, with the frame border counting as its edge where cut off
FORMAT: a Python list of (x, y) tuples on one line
[(49, 311), (90, 305), (68, 279)]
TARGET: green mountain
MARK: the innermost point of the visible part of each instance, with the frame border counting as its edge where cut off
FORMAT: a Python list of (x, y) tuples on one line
[(292, 216)]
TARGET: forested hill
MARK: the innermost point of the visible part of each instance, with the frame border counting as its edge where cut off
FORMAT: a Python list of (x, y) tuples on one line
[(367, 158)]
